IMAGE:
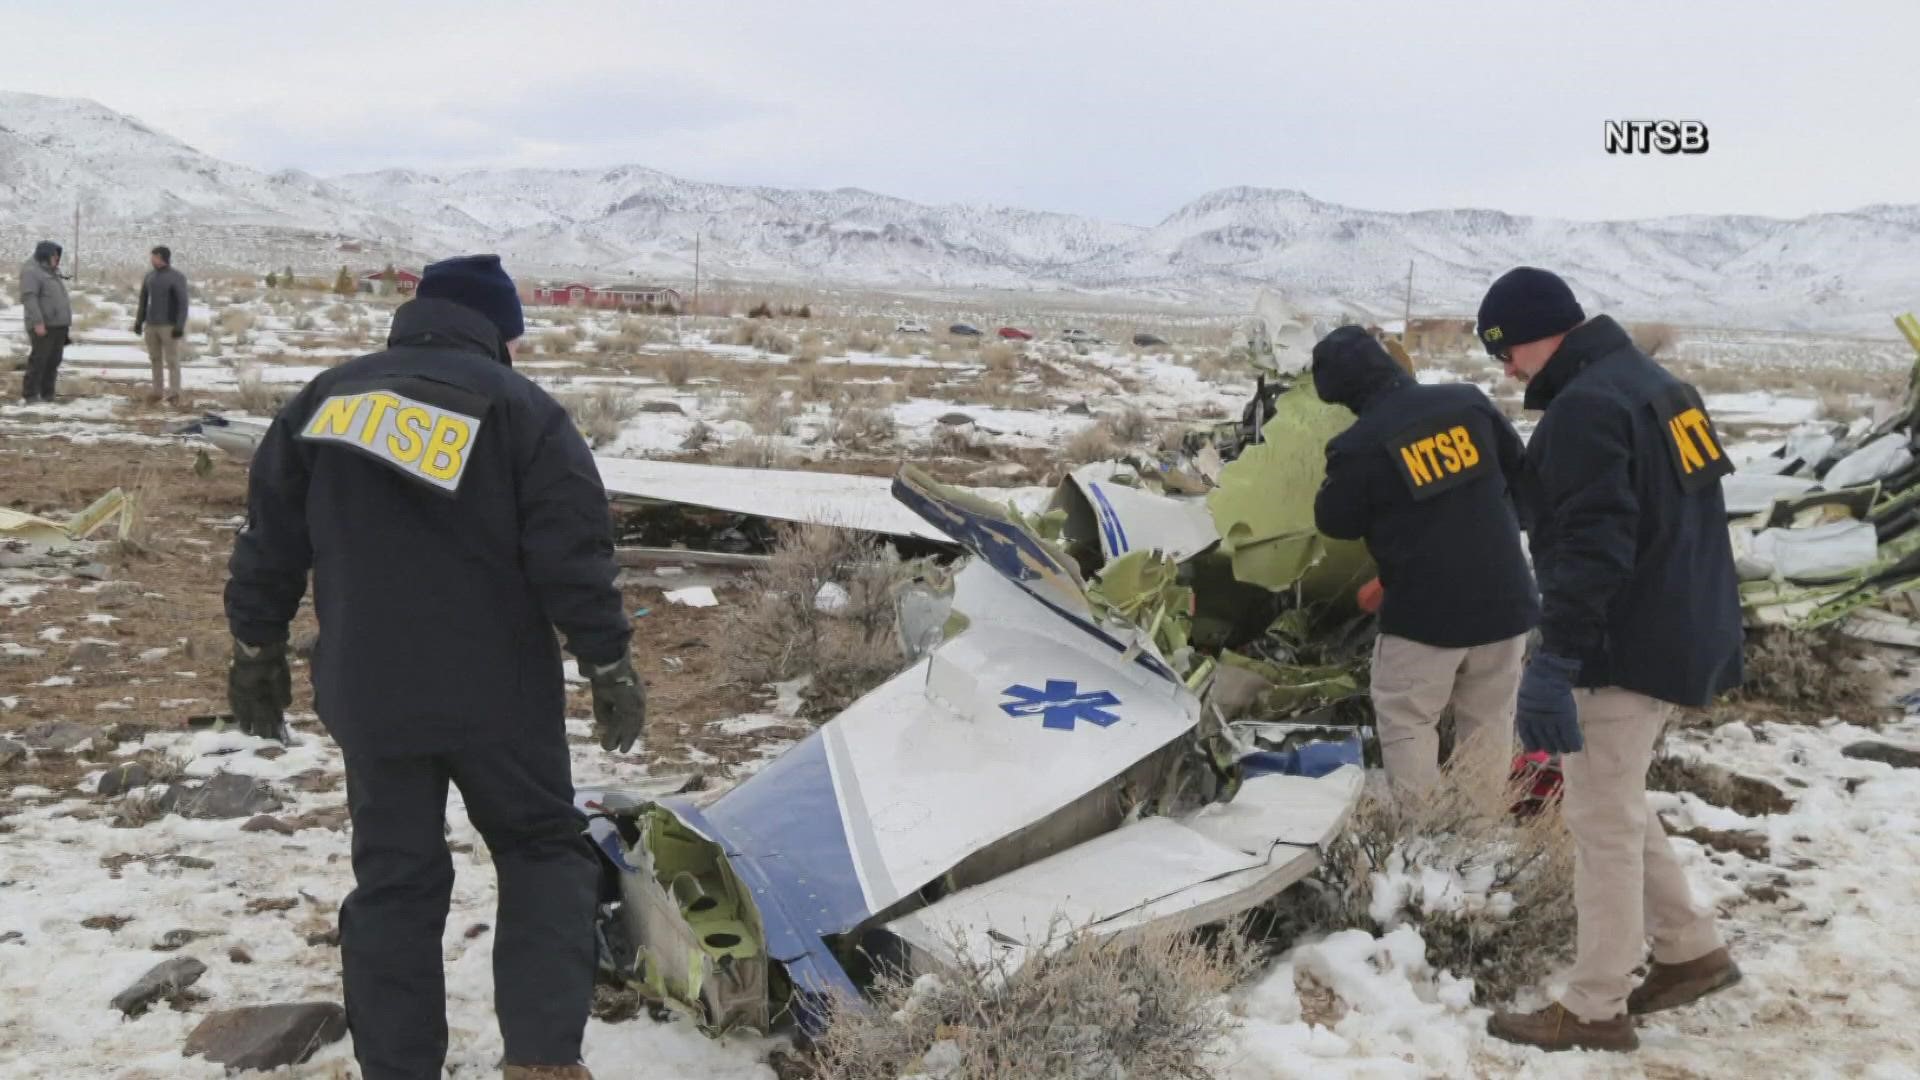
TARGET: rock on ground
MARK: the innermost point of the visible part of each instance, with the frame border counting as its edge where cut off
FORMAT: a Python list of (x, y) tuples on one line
[(267, 1036), (1900, 757), (228, 795), (170, 977)]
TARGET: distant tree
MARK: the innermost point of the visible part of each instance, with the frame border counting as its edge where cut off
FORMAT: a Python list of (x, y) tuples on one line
[(805, 312), (287, 280), (343, 283), (762, 310), (273, 280)]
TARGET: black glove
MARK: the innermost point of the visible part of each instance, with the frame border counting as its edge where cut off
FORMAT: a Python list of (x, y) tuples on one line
[(179, 331), (138, 327), (259, 689), (1547, 718), (619, 704)]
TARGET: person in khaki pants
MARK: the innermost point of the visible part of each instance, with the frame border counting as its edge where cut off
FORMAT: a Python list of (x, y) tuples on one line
[(1641, 614), (162, 313), (1423, 476)]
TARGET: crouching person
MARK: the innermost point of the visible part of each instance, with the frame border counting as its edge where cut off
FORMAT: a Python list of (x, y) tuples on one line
[(1641, 614), (1423, 476), (452, 518)]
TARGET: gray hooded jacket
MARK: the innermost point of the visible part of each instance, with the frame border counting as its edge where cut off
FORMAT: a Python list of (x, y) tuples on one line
[(44, 296)]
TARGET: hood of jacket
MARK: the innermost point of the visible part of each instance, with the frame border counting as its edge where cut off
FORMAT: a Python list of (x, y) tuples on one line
[(1350, 368), (1583, 344), (44, 251), (431, 321)]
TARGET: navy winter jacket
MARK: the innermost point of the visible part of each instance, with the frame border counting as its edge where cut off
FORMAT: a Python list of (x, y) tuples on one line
[(452, 517), (1629, 529), (1423, 476)]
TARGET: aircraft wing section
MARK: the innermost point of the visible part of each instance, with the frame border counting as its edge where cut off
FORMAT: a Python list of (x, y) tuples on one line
[(815, 498)]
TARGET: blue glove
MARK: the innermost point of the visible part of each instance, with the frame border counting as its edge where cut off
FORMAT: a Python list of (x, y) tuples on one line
[(1546, 717)]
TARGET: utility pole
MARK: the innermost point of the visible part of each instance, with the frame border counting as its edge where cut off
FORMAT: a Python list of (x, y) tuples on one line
[(1406, 320), (696, 273)]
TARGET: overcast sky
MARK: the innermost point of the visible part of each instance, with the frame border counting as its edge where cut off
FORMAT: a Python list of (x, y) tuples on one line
[(1120, 109)]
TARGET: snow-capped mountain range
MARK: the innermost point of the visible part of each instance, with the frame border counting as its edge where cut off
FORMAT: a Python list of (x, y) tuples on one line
[(1838, 271)]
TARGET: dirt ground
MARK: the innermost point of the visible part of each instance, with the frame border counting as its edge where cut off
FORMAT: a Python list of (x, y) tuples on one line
[(147, 647)]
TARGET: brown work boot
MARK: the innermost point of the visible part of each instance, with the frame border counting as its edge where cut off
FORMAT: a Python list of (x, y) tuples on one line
[(1670, 986), (546, 1072), (1554, 1028)]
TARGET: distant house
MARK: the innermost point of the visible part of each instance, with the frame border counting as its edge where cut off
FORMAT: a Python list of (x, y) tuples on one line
[(581, 294), (404, 282), (1433, 336)]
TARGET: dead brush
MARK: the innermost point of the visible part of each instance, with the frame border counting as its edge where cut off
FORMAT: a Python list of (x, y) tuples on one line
[(1089, 1008), (1805, 676), (136, 539), (600, 413), (783, 633), (677, 369), (1654, 338), (758, 452), (1001, 358), (767, 411), (252, 393), (1506, 932), (858, 427), (1130, 426), (1093, 442)]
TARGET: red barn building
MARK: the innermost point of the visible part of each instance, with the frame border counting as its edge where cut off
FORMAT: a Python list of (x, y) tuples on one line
[(404, 282)]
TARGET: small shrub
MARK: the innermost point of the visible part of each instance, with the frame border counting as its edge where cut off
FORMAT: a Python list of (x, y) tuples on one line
[(767, 411), (781, 634), (865, 341), (758, 452), (761, 310), (811, 348), (858, 427), (557, 342), (677, 369), (600, 413), (1815, 674), (234, 322), (1091, 1008), (1000, 357), (1654, 338), (1130, 426), (1094, 442), (254, 394), (1504, 917)]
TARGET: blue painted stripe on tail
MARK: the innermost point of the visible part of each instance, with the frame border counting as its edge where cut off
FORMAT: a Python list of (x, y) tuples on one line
[(1119, 534)]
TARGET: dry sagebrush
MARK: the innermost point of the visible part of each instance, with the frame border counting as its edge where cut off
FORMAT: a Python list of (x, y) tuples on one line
[(1505, 933), (781, 633), (1091, 1009)]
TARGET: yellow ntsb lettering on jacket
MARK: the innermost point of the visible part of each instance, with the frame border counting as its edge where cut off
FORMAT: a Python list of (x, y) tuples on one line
[(1432, 458), (426, 442)]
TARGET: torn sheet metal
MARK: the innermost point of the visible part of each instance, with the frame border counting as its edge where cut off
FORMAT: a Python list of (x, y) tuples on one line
[(1883, 456), (1119, 518), (1755, 493), (1264, 506), (1819, 553), (34, 535)]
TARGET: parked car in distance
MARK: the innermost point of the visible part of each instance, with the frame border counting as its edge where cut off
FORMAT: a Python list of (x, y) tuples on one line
[(910, 326), (1014, 333), (1147, 341), (961, 329), (1080, 337)]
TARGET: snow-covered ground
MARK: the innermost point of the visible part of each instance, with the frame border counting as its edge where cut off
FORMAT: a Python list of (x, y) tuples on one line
[(1825, 926)]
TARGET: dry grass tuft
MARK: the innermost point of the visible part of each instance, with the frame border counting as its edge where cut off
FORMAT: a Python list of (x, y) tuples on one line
[(1001, 357), (859, 427), (782, 634), (759, 452), (767, 410), (677, 369), (1506, 932), (1094, 442), (1130, 427), (253, 393), (600, 413), (1654, 338), (1092, 1008), (1815, 674)]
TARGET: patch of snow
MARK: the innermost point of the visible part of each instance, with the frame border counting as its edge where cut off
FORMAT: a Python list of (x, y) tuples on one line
[(699, 596)]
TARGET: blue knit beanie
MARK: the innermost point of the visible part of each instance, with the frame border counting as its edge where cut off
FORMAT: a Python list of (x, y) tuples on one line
[(1526, 304), (478, 282)]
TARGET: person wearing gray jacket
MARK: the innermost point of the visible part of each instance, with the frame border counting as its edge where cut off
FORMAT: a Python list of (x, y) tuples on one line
[(162, 311), (49, 314)]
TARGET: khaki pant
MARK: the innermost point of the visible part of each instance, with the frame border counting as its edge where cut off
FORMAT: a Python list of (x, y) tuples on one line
[(1627, 883), (1414, 683), (163, 351)]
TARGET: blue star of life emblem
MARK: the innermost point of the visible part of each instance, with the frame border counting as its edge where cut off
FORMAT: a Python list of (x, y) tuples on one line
[(1061, 704)]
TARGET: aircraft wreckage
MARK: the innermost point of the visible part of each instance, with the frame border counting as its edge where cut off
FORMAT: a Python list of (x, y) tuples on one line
[(1138, 710)]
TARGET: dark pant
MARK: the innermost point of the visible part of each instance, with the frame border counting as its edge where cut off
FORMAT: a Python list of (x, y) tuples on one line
[(520, 797), (43, 361)]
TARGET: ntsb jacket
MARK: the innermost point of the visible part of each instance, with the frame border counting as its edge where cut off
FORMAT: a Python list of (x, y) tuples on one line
[(452, 518)]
